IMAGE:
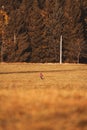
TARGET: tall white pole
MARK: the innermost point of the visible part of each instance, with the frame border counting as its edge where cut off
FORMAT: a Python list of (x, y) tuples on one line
[(14, 38), (61, 49)]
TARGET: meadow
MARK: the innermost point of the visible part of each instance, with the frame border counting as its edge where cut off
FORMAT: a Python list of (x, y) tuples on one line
[(58, 102)]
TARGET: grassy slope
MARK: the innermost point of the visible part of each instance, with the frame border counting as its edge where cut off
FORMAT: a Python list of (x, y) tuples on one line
[(59, 102)]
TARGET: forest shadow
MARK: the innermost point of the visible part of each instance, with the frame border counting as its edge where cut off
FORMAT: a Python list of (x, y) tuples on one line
[(48, 71)]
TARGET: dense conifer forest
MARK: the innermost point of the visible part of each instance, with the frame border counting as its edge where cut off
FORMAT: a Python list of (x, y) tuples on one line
[(30, 30)]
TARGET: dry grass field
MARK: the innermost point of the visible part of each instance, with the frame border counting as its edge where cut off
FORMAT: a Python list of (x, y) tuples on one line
[(58, 102)]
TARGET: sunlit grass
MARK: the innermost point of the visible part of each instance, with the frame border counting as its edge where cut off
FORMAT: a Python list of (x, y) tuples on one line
[(58, 102)]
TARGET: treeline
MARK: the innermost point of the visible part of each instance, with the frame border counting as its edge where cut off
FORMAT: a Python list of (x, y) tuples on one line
[(35, 26)]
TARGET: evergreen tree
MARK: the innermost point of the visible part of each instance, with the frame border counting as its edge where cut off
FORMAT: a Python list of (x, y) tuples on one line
[(73, 39), (19, 43), (53, 29), (36, 33), (84, 21), (3, 23)]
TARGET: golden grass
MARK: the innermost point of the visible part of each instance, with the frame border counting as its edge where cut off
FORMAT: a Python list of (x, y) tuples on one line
[(59, 102)]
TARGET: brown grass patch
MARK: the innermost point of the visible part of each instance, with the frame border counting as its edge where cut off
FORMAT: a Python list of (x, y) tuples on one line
[(59, 102)]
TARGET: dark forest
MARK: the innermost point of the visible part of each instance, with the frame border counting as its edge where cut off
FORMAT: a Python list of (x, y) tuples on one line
[(30, 31)]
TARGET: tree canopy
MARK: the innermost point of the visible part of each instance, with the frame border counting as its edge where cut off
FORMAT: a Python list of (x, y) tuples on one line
[(34, 27)]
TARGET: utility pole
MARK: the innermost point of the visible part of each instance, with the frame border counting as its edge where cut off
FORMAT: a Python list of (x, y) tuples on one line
[(61, 49), (14, 38)]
